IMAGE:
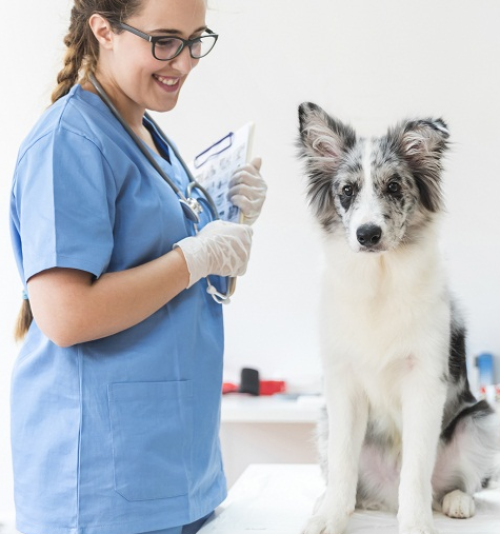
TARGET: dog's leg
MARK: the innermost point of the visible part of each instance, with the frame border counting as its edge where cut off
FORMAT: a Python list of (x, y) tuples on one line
[(347, 419), (422, 399)]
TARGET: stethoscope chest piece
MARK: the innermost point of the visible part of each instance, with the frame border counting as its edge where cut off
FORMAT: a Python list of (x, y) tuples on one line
[(191, 209)]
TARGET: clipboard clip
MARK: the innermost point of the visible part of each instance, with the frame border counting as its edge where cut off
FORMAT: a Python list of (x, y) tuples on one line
[(213, 151)]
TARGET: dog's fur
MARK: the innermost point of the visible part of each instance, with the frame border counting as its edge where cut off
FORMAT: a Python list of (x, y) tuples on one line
[(403, 431)]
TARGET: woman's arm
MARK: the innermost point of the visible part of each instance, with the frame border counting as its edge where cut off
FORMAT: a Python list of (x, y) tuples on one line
[(70, 307)]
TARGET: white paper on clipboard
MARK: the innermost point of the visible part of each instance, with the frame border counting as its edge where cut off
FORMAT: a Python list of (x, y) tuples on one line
[(214, 167)]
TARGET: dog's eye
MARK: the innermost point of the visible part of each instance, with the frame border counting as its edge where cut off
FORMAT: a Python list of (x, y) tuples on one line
[(347, 190), (394, 188)]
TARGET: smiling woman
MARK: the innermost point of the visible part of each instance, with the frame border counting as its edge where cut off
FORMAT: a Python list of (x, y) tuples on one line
[(105, 383)]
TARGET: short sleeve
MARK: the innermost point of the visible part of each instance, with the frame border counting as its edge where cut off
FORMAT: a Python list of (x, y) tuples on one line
[(65, 200)]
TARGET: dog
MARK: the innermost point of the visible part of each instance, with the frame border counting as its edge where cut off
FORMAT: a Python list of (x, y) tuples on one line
[(402, 431)]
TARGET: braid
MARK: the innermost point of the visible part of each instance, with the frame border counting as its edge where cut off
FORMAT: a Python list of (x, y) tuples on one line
[(75, 53), (82, 48), (24, 320)]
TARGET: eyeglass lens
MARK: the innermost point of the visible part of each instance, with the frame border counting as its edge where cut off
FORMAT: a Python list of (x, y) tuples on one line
[(169, 47)]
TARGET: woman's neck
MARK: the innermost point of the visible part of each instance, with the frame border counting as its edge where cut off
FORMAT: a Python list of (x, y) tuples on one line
[(131, 112)]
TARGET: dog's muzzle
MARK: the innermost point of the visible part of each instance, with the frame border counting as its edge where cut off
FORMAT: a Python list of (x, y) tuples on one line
[(369, 235)]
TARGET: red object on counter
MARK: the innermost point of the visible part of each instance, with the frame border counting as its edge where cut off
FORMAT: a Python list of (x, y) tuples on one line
[(270, 387), (228, 387), (266, 387)]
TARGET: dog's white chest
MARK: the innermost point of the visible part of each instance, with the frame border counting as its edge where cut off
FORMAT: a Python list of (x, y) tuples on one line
[(382, 319)]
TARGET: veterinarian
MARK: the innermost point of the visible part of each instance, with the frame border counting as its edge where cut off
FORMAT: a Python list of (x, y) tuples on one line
[(116, 391)]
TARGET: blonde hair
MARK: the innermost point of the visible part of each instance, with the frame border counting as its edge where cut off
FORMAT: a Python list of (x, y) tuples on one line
[(82, 48), (24, 320)]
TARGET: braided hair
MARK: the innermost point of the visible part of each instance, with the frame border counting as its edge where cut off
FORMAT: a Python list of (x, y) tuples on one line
[(82, 48)]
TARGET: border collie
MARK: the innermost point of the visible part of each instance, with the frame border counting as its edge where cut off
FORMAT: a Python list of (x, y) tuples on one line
[(402, 431)]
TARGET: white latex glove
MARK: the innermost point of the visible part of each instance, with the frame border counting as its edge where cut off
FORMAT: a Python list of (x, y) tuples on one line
[(221, 248), (247, 190)]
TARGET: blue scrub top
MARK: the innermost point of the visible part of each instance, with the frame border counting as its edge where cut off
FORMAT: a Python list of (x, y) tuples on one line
[(117, 435)]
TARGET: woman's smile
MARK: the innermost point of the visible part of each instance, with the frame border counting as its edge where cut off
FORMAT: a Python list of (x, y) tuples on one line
[(168, 83)]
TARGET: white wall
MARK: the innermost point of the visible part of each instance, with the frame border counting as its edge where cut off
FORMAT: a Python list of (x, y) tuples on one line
[(369, 62)]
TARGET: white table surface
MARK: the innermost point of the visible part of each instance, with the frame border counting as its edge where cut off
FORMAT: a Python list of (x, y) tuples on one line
[(278, 499)]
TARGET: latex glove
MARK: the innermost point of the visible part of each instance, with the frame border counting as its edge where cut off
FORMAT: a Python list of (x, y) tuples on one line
[(247, 190), (221, 248)]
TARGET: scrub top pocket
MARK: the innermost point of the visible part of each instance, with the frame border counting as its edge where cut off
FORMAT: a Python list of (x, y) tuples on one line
[(151, 424)]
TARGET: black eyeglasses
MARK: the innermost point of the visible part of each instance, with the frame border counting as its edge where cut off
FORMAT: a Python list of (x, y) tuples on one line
[(166, 48)]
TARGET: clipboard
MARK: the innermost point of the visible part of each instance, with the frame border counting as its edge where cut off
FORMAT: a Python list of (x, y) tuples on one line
[(214, 167)]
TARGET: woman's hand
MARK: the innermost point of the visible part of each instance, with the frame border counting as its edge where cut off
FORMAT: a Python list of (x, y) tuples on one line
[(221, 248), (247, 190)]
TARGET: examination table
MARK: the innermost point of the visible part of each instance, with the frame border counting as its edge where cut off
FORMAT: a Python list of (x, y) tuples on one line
[(278, 499)]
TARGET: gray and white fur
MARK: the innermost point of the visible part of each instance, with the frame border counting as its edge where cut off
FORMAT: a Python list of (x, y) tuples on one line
[(402, 431)]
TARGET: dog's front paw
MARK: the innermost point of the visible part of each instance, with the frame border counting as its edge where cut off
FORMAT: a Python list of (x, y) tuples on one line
[(458, 504), (323, 524), (326, 519), (418, 529), (416, 523)]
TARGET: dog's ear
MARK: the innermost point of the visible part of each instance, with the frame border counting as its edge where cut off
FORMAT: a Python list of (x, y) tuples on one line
[(323, 143), (423, 139), (422, 144), (323, 139)]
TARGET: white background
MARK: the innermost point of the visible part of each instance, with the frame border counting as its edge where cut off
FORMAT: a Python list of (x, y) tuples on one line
[(371, 63)]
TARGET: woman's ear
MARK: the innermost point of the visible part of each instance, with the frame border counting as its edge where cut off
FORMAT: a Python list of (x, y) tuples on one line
[(101, 28)]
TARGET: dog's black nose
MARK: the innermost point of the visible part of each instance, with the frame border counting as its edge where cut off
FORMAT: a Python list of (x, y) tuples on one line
[(369, 234)]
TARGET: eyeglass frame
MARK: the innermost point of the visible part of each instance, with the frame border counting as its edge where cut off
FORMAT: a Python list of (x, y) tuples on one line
[(153, 39)]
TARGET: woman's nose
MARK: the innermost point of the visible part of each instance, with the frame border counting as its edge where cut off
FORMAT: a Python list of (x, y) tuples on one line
[(184, 62)]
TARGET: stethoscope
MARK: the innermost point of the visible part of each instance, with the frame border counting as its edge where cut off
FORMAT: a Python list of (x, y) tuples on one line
[(191, 207)]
